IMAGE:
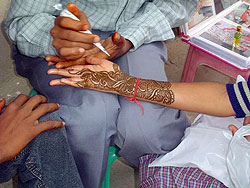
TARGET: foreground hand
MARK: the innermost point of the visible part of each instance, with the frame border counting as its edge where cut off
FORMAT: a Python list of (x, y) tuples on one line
[(116, 46), (234, 129), (19, 123), (68, 42)]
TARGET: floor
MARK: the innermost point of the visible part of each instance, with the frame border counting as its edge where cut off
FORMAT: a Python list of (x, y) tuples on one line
[(122, 174)]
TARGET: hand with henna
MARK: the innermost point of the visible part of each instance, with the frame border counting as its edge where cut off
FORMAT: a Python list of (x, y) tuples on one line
[(19, 123), (103, 75), (75, 47)]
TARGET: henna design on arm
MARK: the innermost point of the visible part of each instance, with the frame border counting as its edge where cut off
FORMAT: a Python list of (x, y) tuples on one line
[(120, 83)]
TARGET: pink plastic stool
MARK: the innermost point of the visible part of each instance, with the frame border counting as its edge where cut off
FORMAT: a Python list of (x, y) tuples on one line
[(197, 56)]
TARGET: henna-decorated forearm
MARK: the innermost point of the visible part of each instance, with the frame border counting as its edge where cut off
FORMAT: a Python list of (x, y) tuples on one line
[(120, 83), (155, 91)]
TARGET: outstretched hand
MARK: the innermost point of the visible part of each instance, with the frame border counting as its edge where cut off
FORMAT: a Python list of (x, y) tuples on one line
[(234, 129), (82, 73), (19, 123)]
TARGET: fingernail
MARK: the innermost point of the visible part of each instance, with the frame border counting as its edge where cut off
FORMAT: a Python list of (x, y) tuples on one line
[(96, 39), (85, 27), (58, 105), (63, 123), (81, 50)]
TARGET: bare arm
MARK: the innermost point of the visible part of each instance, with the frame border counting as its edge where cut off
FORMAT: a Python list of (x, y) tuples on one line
[(105, 76)]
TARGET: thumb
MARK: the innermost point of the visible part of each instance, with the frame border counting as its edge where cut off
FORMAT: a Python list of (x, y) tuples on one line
[(94, 60), (233, 128), (117, 39), (2, 104), (81, 15), (246, 120)]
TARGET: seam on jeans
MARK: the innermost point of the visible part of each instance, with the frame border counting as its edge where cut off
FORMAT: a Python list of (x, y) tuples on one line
[(32, 168)]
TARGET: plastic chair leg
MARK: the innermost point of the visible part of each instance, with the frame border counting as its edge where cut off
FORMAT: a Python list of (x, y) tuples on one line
[(113, 155)]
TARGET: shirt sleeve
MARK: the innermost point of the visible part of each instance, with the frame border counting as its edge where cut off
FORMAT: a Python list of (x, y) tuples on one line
[(155, 19), (239, 96), (28, 26)]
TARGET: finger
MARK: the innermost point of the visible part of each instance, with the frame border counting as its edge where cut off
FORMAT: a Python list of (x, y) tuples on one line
[(34, 101), (69, 23), (59, 43), (246, 120), (55, 59), (74, 82), (74, 9), (20, 100), (48, 125), (56, 82), (78, 67), (43, 109), (70, 34), (80, 61), (117, 39), (233, 128), (2, 104), (71, 53), (51, 63), (66, 81), (81, 15), (94, 60), (64, 72)]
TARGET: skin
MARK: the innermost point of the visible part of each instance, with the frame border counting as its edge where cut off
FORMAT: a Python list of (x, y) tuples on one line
[(19, 123), (209, 98), (73, 47), (102, 75)]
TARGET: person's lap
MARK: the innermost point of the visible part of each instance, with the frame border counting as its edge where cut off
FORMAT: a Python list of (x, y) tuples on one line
[(93, 118)]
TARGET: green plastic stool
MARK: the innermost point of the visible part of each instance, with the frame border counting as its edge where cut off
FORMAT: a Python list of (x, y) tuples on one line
[(113, 155)]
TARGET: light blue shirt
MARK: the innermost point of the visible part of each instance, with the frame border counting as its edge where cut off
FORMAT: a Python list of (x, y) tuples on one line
[(29, 22)]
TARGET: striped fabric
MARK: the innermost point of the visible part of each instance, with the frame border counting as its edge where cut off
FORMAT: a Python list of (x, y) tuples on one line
[(239, 96), (173, 177), (28, 22)]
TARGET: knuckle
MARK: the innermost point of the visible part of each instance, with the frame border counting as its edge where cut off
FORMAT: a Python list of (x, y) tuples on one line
[(55, 43), (12, 107), (69, 35), (39, 98), (53, 32)]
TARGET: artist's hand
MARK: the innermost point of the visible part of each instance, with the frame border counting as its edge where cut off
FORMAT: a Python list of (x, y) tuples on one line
[(68, 42), (234, 129), (116, 46), (19, 123)]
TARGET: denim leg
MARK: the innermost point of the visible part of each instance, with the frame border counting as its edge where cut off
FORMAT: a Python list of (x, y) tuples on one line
[(160, 129), (47, 161)]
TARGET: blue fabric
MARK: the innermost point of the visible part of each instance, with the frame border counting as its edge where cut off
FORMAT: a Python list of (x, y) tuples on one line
[(234, 101), (94, 119), (234, 95), (46, 161)]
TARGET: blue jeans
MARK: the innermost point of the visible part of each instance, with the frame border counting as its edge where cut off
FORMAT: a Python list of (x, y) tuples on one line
[(46, 161)]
